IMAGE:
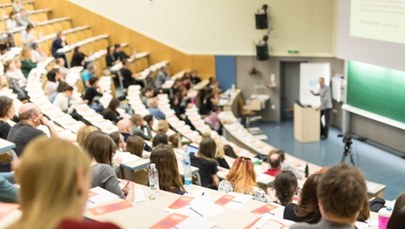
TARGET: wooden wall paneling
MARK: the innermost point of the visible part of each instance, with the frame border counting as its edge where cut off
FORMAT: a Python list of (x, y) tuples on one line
[(205, 64)]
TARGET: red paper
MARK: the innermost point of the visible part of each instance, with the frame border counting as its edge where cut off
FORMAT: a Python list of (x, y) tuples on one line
[(110, 208), (251, 224), (181, 202), (170, 221), (91, 193), (264, 209), (224, 200)]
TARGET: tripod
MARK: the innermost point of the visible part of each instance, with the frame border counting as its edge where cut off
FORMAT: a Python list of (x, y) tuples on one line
[(347, 140)]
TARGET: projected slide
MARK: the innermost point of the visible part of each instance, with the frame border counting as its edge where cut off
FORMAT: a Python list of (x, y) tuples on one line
[(378, 19)]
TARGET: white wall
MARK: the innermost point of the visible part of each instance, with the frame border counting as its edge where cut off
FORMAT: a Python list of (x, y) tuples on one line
[(225, 27)]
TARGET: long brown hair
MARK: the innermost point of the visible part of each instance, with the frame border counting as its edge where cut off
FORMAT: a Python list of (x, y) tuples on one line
[(207, 149), (135, 145), (166, 163), (48, 177), (242, 175), (307, 209), (100, 146)]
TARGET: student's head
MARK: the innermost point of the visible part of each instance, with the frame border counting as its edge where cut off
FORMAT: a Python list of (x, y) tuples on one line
[(149, 120), (118, 140), (160, 138), (29, 28), (91, 68), (174, 139), (83, 132), (228, 150), (149, 91), (242, 175), (308, 205), (397, 219), (6, 108), (100, 147), (110, 49), (125, 63), (163, 126), (93, 81), (207, 148), (77, 49), (67, 90), (59, 35), (60, 61), (216, 109), (285, 185), (12, 15), (26, 53), (166, 163), (53, 75), (279, 152), (124, 126), (194, 73), (53, 185), (275, 160), (135, 145), (30, 114), (117, 47), (35, 46), (10, 65), (137, 120), (152, 102), (341, 193), (114, 104)]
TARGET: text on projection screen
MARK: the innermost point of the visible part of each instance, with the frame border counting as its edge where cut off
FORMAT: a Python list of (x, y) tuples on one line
[(378, 19)]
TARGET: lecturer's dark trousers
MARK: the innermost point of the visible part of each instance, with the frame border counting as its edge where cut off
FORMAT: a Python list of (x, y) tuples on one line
[(325, 128)]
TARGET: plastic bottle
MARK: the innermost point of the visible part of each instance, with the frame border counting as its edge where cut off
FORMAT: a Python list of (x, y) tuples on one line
[(188, 177), (384, 215), (306, 170), (153, 182)]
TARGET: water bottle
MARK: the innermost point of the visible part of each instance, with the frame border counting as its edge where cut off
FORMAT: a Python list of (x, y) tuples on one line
[(306, 170), (153, 182), (384, 215), (188, 177)]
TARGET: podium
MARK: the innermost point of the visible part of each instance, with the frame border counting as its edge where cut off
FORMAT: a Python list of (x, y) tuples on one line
[(306, 124)]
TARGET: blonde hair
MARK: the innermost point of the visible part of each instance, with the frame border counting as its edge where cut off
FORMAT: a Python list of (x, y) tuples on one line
[(25, 53), (83, 132), (242, 175), (48, 179)]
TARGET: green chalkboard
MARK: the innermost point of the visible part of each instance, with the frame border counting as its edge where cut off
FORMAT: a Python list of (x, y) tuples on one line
[(376, 89)]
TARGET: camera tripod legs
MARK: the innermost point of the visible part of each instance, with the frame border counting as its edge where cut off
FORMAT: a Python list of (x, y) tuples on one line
[(346, 153)]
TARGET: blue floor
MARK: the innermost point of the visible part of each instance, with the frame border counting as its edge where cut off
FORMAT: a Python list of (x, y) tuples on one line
[(378, 165)]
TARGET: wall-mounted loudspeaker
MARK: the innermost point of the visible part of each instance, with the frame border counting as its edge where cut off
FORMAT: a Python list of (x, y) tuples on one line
[(262, 51), (261, 20)]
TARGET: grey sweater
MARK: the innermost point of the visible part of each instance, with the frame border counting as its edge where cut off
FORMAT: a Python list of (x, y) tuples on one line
[(103, 175)]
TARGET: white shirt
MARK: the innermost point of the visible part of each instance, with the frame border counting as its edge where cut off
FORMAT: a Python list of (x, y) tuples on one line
[(11, 24)]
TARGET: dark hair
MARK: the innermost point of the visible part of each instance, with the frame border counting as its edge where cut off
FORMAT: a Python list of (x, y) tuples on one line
[(51, 75), (207, 148), (124, 61), (285, 185), (5, 104), (342, 191), (148, 118), (228, 150), (147, 88), (100, 146), (397, 219), (166, 163), (93, 80), (76, 49), (160, 138), (29, 27), (66, 87), (117, 46), (114, 104), (307, 209), (58, 60), (34, 45), (135, 145), (115, 136), (216, 108), (11, 14), (279, 152)]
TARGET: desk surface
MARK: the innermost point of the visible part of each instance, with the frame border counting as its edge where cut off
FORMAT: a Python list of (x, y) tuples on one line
[(5, 146)]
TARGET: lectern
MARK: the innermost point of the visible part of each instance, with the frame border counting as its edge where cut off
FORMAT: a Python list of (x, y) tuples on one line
[(306, 124)]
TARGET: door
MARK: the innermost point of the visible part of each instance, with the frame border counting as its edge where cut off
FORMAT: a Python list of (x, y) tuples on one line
[(290, 88)]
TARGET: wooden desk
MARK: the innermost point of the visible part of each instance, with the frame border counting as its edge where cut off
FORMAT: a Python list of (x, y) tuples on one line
[(232, 104)]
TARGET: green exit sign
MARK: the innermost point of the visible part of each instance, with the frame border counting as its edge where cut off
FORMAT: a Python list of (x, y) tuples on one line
[(293, 51)]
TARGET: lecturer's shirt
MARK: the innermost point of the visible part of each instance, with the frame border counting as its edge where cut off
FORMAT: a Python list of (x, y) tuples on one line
[(326, 100)]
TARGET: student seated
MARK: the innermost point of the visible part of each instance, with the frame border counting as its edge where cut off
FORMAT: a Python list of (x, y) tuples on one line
[(77, 57), (341, 194), (52, 84), (54, 186), (64, 99), (284, 165), (6, 113), (160, 138), (397, 219), (91, 93), (27, 62), (242, 179), (119, 141), (307, 208), (101, 149), (111, 113), (82, 134), (135, 145), (138, 127), (162, 77), (275, 165), (154, 109), (228, 150), (285, 185), (206, 163), (166, 163)]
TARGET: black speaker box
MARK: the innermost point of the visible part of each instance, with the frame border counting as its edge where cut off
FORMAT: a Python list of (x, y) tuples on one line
[(262, 51), (261, 21)]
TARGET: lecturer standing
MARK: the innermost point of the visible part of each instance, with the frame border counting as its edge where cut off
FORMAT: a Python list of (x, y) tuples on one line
[(325, 107)]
